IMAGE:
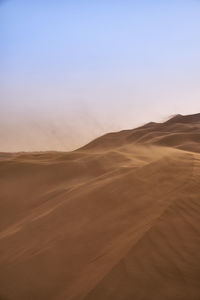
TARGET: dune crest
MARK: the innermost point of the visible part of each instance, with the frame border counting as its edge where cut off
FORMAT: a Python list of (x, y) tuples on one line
[(116, 219)]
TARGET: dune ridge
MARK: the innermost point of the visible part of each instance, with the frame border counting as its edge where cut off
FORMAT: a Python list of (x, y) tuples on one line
[(116, 219)]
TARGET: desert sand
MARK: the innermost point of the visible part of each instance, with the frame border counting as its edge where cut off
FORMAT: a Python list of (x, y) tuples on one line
[(118, 219)]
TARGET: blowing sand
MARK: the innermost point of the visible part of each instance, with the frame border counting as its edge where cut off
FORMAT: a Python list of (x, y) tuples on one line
[(118, 219)]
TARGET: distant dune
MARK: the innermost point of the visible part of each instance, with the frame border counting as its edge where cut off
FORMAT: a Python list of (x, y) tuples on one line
[(118, 219)]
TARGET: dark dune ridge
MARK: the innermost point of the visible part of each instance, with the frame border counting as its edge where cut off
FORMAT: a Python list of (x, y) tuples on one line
[(118, 219), (182, 132)]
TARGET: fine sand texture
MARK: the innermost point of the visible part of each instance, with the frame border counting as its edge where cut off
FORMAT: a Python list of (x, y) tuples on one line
[(118, 219)]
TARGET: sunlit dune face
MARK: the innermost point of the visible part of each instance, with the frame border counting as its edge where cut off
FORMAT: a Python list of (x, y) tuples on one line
[(97, 221)]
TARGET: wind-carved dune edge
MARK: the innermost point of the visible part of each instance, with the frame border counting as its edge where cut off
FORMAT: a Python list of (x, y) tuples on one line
[(116, 219)]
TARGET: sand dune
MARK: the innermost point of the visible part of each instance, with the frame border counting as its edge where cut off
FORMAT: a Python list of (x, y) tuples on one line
[(117, 219)]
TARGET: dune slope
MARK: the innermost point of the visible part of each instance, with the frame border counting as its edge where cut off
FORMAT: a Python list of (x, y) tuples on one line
[(116, 219)]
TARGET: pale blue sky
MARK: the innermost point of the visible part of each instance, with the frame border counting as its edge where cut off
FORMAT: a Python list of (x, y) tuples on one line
[(72, 70)]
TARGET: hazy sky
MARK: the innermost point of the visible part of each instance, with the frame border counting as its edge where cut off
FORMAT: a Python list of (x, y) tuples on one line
[(73, 70)]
